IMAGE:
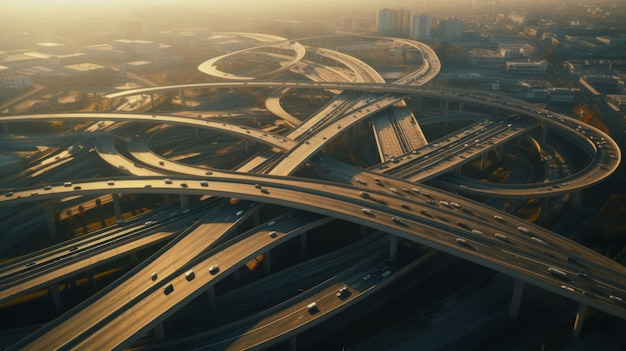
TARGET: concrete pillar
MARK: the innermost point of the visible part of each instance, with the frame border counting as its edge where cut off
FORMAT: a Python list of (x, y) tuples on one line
[(544, 132), (56, 297), (545, 206), (210, 294), (182, 97), (166, 199), (267, 264), (483, 161), (71, 127), (256, 218), (303, 244), (246, 146), (499, 152), (578, 322), (116, 207), (236, 274), (184, 202), (152, 100), (293, 343), (461, 106), (49, 211), (393, 245), (516, 299), (159, 333), (446, 106)]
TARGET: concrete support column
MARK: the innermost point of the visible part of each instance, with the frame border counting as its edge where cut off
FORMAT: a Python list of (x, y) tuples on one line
[(182, 97), (256, 217), (303, 244), (166, 199), (56, 297), (184, 202), (293, 343), (267, 262), (152, 100), (71, 127), (458, 170), (499, 152), (461, 106), (49, 211), (516, 299), (483, 161), (578, 323), (545, 206), (544, 132), (134, 259), (236, 274), (210, 294), (246, 146), (159, 333), (116, 208), (393, 245), (446, 106), (218, 94)]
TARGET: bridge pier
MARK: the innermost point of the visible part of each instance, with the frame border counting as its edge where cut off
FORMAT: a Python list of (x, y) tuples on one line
[(210, 294), (578, 322), (293, 343), (49, 213), (56, 298), (159, 333), (116, 207), (267, 263), (236, 274), (544, 132), (483, 161), (184, 202), (152, 102), (516, 299), (499, 152), (393, 245), (445, 105), (303, 245), (461, 106), (182, 97)]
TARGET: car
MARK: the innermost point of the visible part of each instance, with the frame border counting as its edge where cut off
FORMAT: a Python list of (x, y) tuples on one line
[(312, 308), (168, 289), (477, 232), (208, 172), (582, 275), (189, 275), (271, 223), (444, 203), (394, 190), (153, 276), (462, 242), (455, 205), (523, 230), (67, 184), (501, 236), (111, 182), (463, 186), (9, 194), (378, 181), (498, 218), (616, 298), (167, 181), (359, 180), (405, 206), (204, 183), (367, 211), (386, 274), (367, 277), (149, 223), (265, 191), (463, 225), (364, 195), (397, 220), (343, 292), (214, 269), (272, 234), (47, 187), (148, 186), (239, 213), (184, 185), (161, 163)]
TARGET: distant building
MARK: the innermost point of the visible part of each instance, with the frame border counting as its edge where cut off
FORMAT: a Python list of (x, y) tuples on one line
[(348, 24), (141, 49), (421, 27), (527, 68), (384, 21), (486, 58), (402, 22), (451, 28), (562, 95)]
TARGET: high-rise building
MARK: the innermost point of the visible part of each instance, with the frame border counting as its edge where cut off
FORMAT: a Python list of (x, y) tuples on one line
[(451, 28), (402, 22), (384, 21), (421, 27), (348, 24)]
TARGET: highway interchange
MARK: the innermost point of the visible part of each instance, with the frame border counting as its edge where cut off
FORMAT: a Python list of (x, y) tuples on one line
[(385, 198)]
